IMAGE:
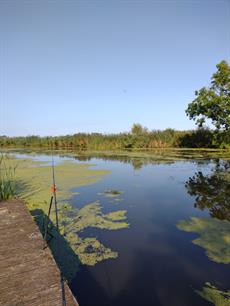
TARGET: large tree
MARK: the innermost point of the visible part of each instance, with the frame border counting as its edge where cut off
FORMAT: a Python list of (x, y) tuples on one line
[(213, 102), (137, 129)]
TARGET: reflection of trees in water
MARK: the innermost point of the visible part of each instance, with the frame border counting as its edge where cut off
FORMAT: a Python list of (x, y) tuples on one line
[(138, 159), (212, 191)]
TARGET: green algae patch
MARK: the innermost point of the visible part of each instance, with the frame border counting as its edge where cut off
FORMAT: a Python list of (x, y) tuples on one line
[(33, 181), (90, 250), (91, 216), (214, 236), (212, 294), (111, 193), (117, 215)]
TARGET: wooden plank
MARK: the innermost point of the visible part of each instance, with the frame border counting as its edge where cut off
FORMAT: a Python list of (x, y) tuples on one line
[(29, 275)]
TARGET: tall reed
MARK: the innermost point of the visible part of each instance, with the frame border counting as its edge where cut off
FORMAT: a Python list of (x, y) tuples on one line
[(7, 178)]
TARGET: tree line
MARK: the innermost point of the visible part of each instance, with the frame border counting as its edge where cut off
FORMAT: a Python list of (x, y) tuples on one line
[(138, 138), (211, 104)]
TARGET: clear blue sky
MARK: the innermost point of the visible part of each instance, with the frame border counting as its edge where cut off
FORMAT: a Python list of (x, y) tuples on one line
[(71, 66)]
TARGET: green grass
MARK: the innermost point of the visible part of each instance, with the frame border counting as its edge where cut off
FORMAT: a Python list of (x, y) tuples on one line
[(7, 178)]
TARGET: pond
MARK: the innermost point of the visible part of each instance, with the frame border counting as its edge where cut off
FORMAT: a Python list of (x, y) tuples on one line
[(161, 221)]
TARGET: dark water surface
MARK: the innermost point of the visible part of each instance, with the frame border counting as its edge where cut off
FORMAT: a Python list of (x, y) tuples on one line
[(158, 265)]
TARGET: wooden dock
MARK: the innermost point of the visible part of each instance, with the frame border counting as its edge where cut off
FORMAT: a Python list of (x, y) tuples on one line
[(29, 275)]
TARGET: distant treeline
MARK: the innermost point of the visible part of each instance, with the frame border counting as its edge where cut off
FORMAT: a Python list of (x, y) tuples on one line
[(138, 138)]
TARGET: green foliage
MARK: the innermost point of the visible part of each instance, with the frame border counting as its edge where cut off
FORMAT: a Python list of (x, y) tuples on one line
[(222, 140), (139, 138), (214, 295), (138, 129), (7, 176), (213, 102), (200, 138), (214, 237)]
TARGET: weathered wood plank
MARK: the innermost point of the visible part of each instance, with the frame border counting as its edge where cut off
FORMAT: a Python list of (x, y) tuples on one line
[(29, 275)]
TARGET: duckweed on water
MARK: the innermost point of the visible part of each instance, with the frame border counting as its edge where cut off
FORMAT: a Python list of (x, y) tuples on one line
[(111, 193), (33, 180), (214, 295), (214, 237), (92, 216)]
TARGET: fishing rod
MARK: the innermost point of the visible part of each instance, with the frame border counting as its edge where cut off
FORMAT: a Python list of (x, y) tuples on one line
[(53, 199), (54, 190)]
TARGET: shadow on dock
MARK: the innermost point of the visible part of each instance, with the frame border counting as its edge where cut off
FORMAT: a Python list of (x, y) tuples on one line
[(66, 259), (29, 274)]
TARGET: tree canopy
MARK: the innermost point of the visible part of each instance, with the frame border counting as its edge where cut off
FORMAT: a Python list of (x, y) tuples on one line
[(213, 102), (138, 129)]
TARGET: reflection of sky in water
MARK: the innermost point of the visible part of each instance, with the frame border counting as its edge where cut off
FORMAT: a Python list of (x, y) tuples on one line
[(157, 263), (43, 158)]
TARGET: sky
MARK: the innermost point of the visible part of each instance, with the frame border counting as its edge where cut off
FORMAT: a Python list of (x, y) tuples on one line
[(101, 65)]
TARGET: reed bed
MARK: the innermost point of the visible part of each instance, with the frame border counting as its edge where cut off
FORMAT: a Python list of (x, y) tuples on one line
[(7, 178)]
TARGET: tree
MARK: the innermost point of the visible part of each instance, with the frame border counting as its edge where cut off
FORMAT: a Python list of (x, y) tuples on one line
[(138, 129), (213, 102)]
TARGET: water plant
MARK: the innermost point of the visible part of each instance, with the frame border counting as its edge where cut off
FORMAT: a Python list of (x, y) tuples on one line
[(214, 295), (214, 236), (111, 193), (7, 178), (215, 239)]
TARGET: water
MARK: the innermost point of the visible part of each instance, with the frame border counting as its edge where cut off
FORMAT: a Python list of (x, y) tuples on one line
[(158, 265)]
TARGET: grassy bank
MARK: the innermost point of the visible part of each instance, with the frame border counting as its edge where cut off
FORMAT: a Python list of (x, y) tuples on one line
[(7, 178), (143, 139)]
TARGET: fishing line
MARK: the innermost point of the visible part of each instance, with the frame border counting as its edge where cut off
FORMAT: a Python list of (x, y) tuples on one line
[(53, 199), (54, 189)]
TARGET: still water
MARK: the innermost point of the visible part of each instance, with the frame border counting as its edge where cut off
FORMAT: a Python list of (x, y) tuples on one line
[(158, 264)]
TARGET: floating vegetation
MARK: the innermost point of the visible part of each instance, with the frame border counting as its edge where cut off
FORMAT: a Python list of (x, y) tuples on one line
[(32, 184), (111, 193), (90, 250), (214, 295), (214, 236), (92, 216)]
